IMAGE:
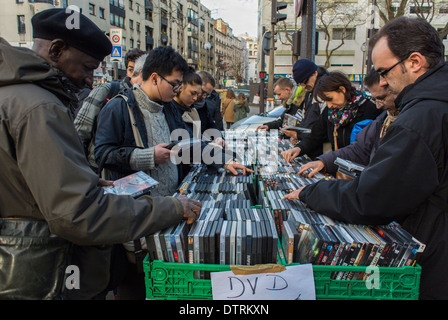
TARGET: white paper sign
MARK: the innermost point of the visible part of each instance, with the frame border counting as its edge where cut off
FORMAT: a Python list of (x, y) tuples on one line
[(295, 283)]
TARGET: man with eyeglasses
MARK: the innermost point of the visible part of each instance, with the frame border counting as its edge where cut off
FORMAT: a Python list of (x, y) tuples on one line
[(121, 150), (124, 146), (407, 179)]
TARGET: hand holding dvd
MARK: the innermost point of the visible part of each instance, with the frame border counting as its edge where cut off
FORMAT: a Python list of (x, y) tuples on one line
[(161, 153)]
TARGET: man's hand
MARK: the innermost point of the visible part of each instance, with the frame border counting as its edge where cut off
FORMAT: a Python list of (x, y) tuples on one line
[(192, 208), (294, 194), (233, 165), (263, 127), (220, 141), (161, 154), (315, 167), (291, 154), (104, 183)]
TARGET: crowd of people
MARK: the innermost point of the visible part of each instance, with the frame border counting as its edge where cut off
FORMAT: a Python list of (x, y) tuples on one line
[(55, 214)]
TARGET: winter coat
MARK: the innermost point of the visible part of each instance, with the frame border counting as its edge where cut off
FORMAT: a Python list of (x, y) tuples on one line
[(291, 108), (241, 110), (359, 151), (406, 181), (306, 109), (49, 198), (322, 130), (227, 110), (206, 119), (213, 104)]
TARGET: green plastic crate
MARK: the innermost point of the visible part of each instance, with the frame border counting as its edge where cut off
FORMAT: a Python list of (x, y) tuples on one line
[(177, 281)]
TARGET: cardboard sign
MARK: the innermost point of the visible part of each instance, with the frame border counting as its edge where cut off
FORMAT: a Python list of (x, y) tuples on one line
[(294, 283)]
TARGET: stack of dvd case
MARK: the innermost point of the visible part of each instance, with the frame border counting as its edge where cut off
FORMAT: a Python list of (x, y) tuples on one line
[(308, 238), (230, 229), (219, 236), (246, 220)]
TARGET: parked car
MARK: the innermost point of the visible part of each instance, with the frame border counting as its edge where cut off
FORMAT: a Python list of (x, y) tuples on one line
[(252, 122)]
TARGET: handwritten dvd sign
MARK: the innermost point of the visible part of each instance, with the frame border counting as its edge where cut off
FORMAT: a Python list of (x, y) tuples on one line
[(294, 283)]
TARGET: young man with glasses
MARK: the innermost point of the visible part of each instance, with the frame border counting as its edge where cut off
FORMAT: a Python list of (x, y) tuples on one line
[(407, 179), (117, 148)]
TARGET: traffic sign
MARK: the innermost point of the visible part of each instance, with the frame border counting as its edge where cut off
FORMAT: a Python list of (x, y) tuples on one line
[(115, 35), (116, 53)]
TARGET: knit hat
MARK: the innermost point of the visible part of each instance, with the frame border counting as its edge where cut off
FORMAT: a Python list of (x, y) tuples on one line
[(303, 69), (87, 37)]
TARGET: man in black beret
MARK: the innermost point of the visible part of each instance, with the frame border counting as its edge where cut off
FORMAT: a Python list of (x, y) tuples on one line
[(76, 49), (56, 223)]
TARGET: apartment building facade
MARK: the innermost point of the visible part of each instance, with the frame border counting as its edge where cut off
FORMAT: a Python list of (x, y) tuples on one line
[(186, 25)]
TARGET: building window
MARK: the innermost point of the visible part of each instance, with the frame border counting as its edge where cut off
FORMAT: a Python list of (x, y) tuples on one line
[(116, 20), (148, 14), (21, 24), (117, 3), (344, 33), (131, 5), (419, 9), (131, 24), (92, 9), (101, 13)]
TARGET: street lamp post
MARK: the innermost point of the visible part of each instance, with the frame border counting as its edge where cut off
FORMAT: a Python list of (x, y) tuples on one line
[(363, 49)]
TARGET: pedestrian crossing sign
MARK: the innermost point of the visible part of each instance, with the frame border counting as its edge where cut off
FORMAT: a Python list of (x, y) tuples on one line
[(116, 52)]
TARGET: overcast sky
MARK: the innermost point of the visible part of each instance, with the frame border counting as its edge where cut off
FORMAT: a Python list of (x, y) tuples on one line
[(241, 15)]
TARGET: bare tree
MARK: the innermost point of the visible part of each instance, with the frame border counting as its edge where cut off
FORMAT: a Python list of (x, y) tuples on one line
[(422, 8), (330, 14)]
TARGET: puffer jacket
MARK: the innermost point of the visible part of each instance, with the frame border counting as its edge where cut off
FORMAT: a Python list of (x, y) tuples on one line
[(45, 178)]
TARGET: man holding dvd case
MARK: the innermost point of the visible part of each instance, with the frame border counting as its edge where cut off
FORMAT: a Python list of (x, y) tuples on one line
[(53, 213), (407, 179)]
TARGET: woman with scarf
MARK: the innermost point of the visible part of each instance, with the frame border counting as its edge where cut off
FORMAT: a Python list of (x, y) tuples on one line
[(191, 104), (345, 106)]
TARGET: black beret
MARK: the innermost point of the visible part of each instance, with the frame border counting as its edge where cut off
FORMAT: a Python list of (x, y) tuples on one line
[(86, 36)]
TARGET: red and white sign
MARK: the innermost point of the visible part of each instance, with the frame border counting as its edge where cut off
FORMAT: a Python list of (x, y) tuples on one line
[(115, 35)]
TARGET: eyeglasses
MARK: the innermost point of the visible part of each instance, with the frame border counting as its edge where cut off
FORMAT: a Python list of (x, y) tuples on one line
[(175, 85), (384, 72), (380, 100)]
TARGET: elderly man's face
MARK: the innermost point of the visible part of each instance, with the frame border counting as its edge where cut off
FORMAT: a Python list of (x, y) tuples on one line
[(283, 93), (77, 66)]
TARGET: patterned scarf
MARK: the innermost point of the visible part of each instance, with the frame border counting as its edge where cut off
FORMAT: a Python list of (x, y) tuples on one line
[(342, 117)]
